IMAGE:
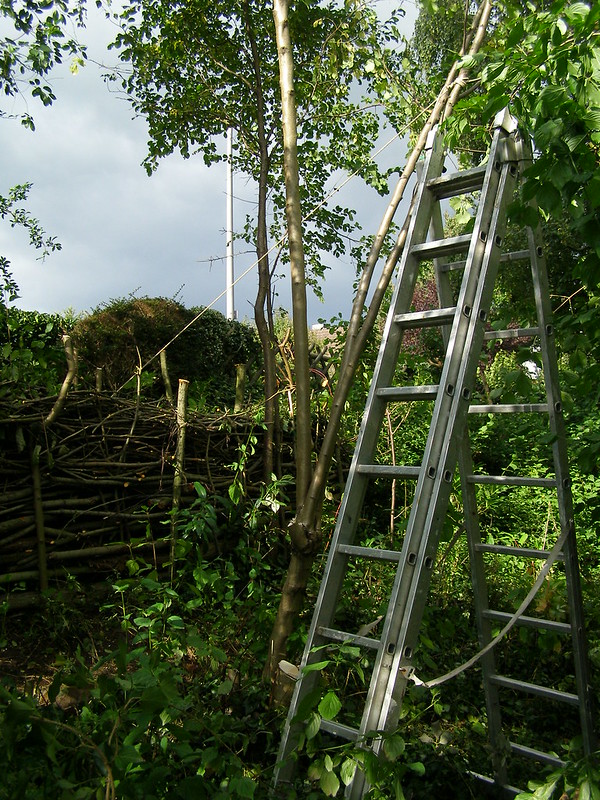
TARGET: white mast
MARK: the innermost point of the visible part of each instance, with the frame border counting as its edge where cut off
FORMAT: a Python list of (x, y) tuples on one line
[(229, 232)]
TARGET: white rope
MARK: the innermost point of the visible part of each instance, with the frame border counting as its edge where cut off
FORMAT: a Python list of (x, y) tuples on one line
[(552, 556)]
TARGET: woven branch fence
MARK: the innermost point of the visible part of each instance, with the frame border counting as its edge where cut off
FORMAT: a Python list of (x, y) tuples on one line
[(78, 494)]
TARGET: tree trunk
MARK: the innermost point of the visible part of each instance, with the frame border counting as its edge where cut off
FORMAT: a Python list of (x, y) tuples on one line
[(262, 305), (303, 442), (304, 528)]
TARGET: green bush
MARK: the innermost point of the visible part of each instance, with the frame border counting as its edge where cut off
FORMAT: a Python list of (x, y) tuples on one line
[(203, 346), (32, 354)]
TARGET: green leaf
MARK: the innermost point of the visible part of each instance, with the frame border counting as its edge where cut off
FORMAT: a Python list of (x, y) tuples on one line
[(347, 771), (317, 666), (515, 36), (329, 783), (576, 12), (393, 747), (313, 725), (592, 118), (315, 770), (398, 790), (585, 791), (242, 787), (330, 706)]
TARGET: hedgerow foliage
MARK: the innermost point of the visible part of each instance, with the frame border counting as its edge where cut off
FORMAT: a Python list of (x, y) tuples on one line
[(32, 358), (124, 335)]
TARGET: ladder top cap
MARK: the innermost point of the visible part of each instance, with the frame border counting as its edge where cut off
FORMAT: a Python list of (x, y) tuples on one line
[(505, 120)]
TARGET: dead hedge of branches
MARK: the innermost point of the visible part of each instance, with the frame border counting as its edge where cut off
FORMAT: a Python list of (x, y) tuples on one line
[(78, 494)]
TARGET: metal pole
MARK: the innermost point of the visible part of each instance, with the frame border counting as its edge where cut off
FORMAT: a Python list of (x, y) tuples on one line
[(229, 233)]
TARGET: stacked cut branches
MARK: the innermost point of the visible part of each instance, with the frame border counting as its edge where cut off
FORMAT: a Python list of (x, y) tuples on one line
[(78, 495)]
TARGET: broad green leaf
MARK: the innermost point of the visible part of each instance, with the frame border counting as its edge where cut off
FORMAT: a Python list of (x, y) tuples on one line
[(313, 725), (592, 118), (329, 783), (398, 790), (577, 11), (330, 706), (242, 787), (516, 35), (315, 770), (592, 191), (393, 747), (347, 771), (585, 791), (316, 667)]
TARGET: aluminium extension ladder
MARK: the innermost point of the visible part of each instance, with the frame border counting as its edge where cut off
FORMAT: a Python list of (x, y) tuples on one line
[(462, 323)]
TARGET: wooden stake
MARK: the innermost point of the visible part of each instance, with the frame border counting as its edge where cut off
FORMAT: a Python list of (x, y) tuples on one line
[(39, 518), (164, 371), (179, 476)]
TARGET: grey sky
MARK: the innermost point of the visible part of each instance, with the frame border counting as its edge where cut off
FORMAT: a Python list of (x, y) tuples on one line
[(123, 232)]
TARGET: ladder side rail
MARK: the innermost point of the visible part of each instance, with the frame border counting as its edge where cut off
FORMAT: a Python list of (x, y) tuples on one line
[(413, 575), (427, 533), (366, 444), (563, 487), (433, 487), (498, 743), (473, 534), (356, 484)]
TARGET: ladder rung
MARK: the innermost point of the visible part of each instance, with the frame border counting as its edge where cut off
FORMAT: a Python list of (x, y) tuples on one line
[(528, 622), (426, 319), (517, 255), (388, 471), (441, 247), (376, 553), (449, 266), (521, 255), (521, 552), (512, 480), (337, 729), (456, 183), (510, 408), (512, 333), (506, 788), (534, 688), (408, 393), (350, 638), (537, 755)]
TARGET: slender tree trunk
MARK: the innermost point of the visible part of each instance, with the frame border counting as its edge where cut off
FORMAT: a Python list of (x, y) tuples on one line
[(304, 528), (303, 443), (263, 320)]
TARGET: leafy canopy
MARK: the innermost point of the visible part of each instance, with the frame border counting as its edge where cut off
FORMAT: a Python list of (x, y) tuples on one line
[(199, 68), (543, 63), (37, 43)]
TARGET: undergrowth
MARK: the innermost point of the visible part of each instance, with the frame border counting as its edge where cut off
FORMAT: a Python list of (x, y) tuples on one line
[(157, 690)]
